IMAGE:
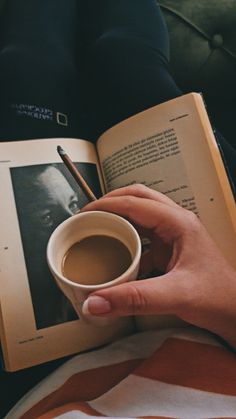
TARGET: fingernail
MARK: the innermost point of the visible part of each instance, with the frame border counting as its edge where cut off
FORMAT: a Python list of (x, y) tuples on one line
[(96, 305)]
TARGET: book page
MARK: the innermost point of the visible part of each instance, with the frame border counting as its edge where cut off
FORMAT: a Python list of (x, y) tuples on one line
[(171, 148), (37, 193)]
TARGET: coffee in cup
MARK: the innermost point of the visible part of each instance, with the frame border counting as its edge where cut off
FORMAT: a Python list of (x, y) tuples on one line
[(91, 251), (87, 261)]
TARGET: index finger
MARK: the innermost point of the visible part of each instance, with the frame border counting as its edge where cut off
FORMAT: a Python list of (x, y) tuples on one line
[(142, 191), (166, 221)]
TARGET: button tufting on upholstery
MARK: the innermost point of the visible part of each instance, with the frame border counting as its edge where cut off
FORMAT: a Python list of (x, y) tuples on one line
[(217, 41), (203, 54)]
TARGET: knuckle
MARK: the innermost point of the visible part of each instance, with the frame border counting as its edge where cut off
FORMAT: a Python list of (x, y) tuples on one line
[(136, 301), (192, 222), (129, 204), (137, 189), (130, 200)]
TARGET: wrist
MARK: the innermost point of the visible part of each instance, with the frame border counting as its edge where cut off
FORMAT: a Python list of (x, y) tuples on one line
[(225, 308)]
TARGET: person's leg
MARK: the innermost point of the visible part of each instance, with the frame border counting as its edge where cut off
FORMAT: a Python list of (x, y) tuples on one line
[(126, 53), (39, 80), (125, 60)]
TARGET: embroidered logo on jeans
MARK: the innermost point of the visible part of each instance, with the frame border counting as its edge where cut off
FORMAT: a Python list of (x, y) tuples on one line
[(41, 113)]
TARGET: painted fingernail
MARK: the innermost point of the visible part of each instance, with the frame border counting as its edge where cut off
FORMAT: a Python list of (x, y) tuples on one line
[(96, 305)]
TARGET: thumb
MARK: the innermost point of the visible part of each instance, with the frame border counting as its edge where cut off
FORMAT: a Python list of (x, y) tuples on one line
[(160, 295)]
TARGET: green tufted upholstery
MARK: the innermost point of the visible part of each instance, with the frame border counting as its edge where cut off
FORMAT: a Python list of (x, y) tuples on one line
[(203, 54)]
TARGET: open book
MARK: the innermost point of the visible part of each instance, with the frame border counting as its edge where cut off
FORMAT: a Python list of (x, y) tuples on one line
[(170, 148)]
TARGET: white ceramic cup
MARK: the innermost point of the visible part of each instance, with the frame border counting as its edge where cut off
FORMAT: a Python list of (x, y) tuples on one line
[(77, 228)]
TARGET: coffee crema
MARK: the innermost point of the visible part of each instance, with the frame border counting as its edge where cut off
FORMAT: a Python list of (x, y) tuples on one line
[(95, 260)]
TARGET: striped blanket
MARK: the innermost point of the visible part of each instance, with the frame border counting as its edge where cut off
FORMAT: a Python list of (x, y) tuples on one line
[(174, 373)]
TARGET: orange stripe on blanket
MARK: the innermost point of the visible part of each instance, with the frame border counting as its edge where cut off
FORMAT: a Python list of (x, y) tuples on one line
[(78, 407), (86, 385), (192, 364)]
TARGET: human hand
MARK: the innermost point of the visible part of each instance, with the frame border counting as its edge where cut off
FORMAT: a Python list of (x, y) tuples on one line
[(198, 284)]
